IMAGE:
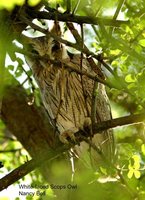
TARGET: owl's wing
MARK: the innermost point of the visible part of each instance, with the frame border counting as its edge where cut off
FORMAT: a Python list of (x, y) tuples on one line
[(104, 141)]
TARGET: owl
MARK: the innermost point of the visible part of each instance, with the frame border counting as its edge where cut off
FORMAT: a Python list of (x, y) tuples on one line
[(67, 95)]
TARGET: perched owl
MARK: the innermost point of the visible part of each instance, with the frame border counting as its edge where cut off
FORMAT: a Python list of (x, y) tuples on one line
[(67, 96)]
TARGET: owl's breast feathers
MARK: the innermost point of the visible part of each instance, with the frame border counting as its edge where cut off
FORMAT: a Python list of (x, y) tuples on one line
[(67, 96), (60, 86)]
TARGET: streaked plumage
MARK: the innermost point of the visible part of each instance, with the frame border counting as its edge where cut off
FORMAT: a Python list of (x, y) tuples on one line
[(67, 103)]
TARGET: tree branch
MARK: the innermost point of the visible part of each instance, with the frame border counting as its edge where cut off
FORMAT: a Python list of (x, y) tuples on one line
[(24, 169), (121, 121), (29, 124), (45, 156), (67, 17), (84, 50)]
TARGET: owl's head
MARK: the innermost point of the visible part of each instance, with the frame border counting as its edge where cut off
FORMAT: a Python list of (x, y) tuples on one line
[(48, 46)]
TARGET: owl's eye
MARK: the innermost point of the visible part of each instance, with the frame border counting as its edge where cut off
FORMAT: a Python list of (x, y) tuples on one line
[(34, 51), (56, 46)]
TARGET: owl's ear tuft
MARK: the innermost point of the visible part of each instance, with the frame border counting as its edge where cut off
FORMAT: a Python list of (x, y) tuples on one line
[(56, 29)]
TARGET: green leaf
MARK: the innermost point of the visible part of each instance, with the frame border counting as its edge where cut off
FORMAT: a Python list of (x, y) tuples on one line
[(130, 173), (136, 161), (11, 3), (29, 73), (18, 72), (103, 170), (142, 42), (143, 149), (128, 30), (129, 78), (33, 2), (11, 67), (115, 52), (137, 174), (138, 142), (134, 167)]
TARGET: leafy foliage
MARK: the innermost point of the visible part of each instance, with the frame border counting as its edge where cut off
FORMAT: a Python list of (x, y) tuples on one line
[(12, 3)]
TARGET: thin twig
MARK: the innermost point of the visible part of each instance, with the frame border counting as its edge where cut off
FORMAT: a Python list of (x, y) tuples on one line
[(121, 2), (84, 50), (94, 104), (67, 65), (25, 168), (68, 6), (81, 68), (10, 150)]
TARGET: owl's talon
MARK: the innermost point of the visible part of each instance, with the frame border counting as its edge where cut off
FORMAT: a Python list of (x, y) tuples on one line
[(67, 136), (86, 123)]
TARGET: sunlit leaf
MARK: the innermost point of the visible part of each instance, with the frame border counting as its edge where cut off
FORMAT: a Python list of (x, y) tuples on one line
[(139, 142), (33, 2), (137, 174), (143, 148), (136, 161), (130, 173), (103, 170), (55, 1), (138, 48), (128, 30), (142, 42), (115, 52), (134, 167), (143, 34), (129, 78), (10, 3), (115, 63)]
